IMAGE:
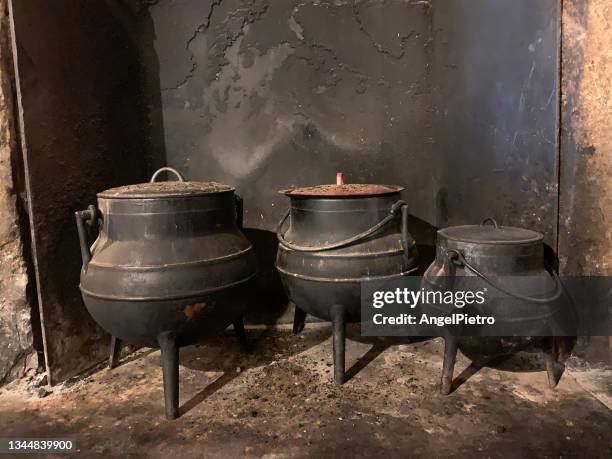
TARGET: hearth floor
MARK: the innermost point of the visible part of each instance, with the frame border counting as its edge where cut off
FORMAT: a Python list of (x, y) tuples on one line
[(279, 401)]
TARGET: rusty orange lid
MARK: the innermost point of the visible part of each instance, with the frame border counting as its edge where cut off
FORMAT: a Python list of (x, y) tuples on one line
[(341, 189)]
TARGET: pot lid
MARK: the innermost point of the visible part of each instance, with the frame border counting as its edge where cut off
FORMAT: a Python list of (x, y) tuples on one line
[(172, 189), (490, 234), (343, 190)]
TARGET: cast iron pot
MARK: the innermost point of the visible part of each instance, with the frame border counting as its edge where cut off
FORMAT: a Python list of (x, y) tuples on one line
[(170, 266), (509, 263), (337, 237)]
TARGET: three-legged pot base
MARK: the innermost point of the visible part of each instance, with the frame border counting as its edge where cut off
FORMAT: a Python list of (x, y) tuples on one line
[(169, 348)]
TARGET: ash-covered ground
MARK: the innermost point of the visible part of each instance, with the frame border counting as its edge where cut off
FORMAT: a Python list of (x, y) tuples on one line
[(279, 401)]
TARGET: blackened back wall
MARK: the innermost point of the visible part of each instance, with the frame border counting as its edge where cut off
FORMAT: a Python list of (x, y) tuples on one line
[(456, 101)]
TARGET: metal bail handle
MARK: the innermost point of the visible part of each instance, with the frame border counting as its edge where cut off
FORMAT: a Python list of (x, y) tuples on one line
[(395, 211), (455, 256), (167, 169), (85, 217)]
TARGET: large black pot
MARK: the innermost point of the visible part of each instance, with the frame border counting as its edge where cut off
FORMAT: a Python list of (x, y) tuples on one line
[(170, 266), (507, 263), (337, 237)]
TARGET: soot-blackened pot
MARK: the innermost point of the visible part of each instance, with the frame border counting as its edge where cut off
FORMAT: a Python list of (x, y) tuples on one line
[(170, 266), (509, 263), (332, 239)]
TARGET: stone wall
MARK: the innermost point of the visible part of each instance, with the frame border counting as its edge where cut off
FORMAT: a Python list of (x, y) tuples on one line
[(80, 95), (16, 342), (585, 220)]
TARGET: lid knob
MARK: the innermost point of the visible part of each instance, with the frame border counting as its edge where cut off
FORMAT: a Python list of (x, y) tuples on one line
[(339, 178)]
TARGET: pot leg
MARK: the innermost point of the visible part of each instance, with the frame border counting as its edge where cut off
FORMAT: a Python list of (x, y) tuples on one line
[(115, 349), (240, 334), (451, 343), (170, 363), (339, 340), (299, 320), (554, 368)]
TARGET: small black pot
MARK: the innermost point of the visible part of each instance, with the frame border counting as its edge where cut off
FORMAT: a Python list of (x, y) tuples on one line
[(509, 263)]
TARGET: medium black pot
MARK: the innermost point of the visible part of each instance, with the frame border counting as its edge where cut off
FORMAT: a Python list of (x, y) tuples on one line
[(169, 267), (337, 237)]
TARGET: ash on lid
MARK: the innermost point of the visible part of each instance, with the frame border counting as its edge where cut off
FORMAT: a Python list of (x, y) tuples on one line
[(160, 189)]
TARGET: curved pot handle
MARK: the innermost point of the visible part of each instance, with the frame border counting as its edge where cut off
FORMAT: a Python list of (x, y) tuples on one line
[(239, 211), (456, 258), (167, 169), (393, 213), (489, 220), (450, 269), (408, 241), (85, 217)]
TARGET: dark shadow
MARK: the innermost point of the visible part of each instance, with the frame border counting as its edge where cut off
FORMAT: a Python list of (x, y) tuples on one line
[(205, 393), (138, 24), (152, 97), (379, 345), (353, 333), (425, 235), (530, 356), (130, 353), (471, 370), (365, 360), (270, 302), (550, 258), (474, 367), (221, 354)]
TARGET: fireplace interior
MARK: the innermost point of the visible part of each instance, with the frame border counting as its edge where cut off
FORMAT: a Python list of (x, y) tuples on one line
[(468, 105)]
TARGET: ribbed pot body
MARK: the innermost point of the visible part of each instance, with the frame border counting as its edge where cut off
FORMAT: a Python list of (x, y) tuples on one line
[(176, 264), (516, 267), (315, 281)]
